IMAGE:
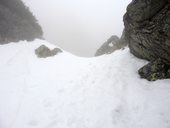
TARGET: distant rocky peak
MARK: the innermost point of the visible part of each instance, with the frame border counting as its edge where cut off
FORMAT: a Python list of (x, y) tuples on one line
[(111, 45)]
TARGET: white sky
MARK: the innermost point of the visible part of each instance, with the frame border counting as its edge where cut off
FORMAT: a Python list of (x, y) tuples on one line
[(79, 26)]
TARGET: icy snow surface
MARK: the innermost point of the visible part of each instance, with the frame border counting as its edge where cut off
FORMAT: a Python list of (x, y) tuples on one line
[(66, 91)]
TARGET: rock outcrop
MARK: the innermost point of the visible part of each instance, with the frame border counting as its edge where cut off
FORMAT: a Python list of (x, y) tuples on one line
[(112, 44), (44, 52), (147, 31), (17, 22)]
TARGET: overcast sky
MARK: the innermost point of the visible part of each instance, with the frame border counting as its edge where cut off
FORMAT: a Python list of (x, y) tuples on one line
[(79, 26)]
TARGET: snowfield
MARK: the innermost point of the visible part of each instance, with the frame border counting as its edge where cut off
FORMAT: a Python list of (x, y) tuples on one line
[(66, 91)]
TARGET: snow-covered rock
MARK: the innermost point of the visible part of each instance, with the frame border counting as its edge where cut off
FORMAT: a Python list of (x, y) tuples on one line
[(66, 91)]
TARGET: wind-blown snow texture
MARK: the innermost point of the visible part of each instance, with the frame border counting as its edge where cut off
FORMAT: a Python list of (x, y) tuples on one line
[(66, 91)]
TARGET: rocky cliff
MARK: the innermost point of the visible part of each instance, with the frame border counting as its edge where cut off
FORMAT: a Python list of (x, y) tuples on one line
[(112, 44), (108, 47), (147, 31), (17, 22)]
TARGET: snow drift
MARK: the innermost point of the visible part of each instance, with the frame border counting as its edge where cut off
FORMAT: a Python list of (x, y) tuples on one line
[(66, 91)]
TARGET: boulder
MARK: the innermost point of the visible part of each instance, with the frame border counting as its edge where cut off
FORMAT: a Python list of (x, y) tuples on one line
[(44, 52), (147, 32)]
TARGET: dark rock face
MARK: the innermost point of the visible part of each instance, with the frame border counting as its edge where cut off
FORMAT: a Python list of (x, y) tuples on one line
[(17, 22), (112, 44), (147, 31), (44, 52), (155, 70)]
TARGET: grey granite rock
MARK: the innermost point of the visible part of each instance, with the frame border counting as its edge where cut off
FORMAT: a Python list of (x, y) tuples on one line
[(147, 30)]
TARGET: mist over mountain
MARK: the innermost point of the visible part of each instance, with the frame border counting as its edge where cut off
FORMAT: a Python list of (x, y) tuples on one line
[(44, 86), (79, 26)]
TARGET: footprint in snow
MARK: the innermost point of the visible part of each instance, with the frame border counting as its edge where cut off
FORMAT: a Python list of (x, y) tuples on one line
[(119, 115), (52, 124), (33, 123)]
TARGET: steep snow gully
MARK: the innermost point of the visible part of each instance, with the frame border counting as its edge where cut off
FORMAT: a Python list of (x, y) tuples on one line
[(66, 91)]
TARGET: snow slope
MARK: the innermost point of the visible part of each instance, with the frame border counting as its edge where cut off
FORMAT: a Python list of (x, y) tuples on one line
[(66, 91)]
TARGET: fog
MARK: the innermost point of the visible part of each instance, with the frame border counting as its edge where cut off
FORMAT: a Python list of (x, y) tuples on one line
[(79, 26)]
